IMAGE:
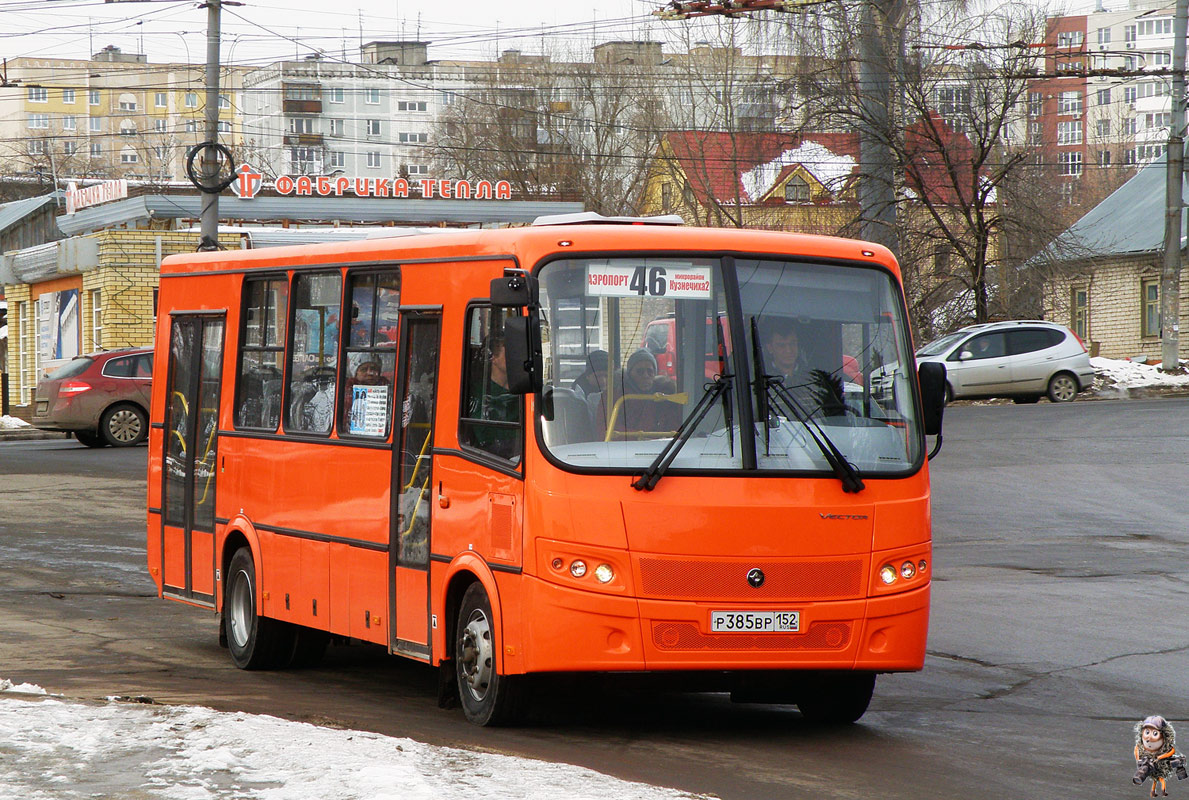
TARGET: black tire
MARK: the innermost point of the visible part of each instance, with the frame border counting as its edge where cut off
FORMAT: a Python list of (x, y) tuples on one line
[(90, 439), (254, 642), (487, 697), (949, 394), (837, 698), (124, 425), (1063, 387)]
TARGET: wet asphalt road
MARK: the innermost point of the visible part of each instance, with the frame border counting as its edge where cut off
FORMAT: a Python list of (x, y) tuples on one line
[(1059, 619)]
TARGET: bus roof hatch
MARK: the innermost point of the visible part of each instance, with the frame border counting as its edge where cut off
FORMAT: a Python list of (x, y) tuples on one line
[(594, 218)]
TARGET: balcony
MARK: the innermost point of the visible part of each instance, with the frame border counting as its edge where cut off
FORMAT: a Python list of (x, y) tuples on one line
[(302, 106), (303, 140)]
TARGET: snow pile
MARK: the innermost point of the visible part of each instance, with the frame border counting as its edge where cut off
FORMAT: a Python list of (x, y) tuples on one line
[(9, 423), (20, 688), (57, 750), (1124, 375), (825, 165)]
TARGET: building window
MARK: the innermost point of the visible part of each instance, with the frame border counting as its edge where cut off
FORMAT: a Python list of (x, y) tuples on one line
[(1069, 132), (1079, 320), (159, 125), (1035, 133), (414, 138), (224, 101), (96, 150), (96, 296), (1129, 33), (128, 156), (93, 96), (1104, 35), (127, 128), (37, 147), (335, 94), (1160, 58), (301, 125), (68, 95), (1158, 120), (1035, 104), (796, 190), (160, 99), (373, 127), (447, 98), (1153, 89), (1102, 128), (1069, 103), (336, 127), (338, 158), (95, 124), (69, 147), (69, 123), (1129, 93), (1104, 158), (127, 102), (666, 197), (416, 169), (1149, 152), (411, 105), (1155, 27), (191, 126), (1150, 312), (373, 158), (1129, 156), (224, 126), (39, 94), (1130, 125), (371, 96), (191, 99), (1069, 39), (1103, 97), (1070, 163), (39, 120)]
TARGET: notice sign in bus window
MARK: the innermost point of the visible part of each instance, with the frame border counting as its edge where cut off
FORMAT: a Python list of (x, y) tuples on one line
[(676, 281), (369, 410)]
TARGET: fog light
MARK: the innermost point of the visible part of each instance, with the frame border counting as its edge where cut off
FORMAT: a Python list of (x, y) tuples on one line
[(578, 568), (604, 573), (557, 563), (887, 574), (924, 565), (908, 570)]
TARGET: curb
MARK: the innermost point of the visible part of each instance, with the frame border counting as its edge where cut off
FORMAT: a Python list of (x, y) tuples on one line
[(29, 434)]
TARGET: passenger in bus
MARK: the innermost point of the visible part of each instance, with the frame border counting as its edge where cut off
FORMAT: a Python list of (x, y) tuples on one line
[(595, 375), (639, 388), (313, 404), (817, 390), (495, 402), (356, 403)]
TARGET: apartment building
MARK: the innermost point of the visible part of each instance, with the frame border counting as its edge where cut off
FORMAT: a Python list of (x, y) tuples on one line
[(115, 115)]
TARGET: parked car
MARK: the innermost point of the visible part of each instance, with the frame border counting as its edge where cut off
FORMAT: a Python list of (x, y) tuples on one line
[(1021, 359), (102, 398)]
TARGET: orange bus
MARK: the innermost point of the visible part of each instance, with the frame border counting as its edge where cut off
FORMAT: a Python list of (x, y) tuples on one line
[(454, 446)]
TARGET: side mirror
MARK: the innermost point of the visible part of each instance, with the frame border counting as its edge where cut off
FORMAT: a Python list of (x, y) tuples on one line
[(965, 355), (931, 376), (516, 289), (522, 350)]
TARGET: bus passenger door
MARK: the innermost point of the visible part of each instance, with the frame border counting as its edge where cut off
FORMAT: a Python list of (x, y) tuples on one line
[(191, 449), (410, 545)]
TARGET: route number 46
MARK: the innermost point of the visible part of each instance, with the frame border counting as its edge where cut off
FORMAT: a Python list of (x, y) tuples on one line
[(649, 281)]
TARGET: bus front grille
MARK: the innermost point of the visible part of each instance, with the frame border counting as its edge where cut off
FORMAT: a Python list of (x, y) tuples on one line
[(686, 636), (691, 579)]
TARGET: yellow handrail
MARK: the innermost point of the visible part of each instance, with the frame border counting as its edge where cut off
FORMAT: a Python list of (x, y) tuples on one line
[(679, 399)]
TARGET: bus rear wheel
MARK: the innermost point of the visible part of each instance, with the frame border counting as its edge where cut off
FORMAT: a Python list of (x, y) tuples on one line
[(255, 642), (836, 698), (487, 697)]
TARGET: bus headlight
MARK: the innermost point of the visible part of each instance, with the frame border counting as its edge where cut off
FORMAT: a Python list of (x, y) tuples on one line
[(604, 573), (908, 570), (578, 568), (887, 574)]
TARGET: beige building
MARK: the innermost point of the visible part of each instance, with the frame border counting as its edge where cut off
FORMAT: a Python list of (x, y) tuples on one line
[(112, 116)]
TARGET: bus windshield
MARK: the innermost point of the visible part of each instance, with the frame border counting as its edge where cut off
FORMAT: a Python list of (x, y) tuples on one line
[(639, 348)]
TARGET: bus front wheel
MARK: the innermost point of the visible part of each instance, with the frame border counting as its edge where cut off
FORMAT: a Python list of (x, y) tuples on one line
[(836, 698), (487, 697), (255, 642)]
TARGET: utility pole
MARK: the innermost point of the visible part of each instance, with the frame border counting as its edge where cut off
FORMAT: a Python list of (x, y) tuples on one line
[(209, 165), (1170, 275), (877, 188)]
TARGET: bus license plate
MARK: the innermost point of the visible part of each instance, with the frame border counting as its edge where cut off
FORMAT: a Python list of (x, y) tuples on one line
[(755, 621)]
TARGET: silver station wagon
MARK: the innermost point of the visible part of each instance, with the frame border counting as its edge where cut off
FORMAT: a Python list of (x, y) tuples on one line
[(1021, 359)]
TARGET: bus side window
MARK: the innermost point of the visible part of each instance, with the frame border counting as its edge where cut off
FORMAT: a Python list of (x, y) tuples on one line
[(313, 376), (262, 353), (491, 415), (374, 300)]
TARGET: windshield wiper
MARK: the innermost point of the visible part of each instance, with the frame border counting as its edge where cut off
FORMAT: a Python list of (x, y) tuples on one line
[(656, 470), (768, 387)]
